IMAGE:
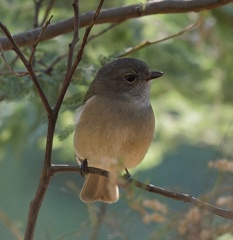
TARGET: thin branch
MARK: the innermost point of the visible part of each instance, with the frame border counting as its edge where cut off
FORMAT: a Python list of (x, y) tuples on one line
[(13, 72), (38, 40), (149, 43), (31, 72), (68, 77), (48, 9), (75, 35), (49, 69), (104, 31), (56, 168), (18, 74), (181, 197), (92, 37), (38, 4), (114, 15), (13, 61), (149, 188)]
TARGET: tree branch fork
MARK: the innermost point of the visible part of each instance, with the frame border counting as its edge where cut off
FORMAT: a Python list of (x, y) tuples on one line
[(52, 113)]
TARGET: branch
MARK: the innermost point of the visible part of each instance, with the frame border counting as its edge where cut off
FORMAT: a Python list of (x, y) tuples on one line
[(75, 35), (49, 69), (18, 74), (56, 168), (38, 4), (31, 72), (92, 37), (38, 40), (47, 171), (104, 31), (181, 197), (69, 75), (149, 188), (48, 9), (149, 43), (114, 15)]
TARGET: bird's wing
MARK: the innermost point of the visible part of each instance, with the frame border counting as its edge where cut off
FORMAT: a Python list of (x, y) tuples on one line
[(81, 108), (90, 92)]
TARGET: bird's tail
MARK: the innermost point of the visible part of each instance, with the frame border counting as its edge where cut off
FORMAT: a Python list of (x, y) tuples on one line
[(100, 188)]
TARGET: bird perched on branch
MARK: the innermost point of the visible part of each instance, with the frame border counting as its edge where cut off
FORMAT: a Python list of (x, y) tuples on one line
[(115, 125)]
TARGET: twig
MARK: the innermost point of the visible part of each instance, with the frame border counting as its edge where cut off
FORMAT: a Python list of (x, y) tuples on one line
[(58, 59), (55, 168), (37, 11), (68, 77), (18, 74), (150, 188), (181, 197), (48, 9), (49, 69), (12, 61), (149, 43), (104, 31), (38, 40), (75, 35), (13, 72), (29, 68)]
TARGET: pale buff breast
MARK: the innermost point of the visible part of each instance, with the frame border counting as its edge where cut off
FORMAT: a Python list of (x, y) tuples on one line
[(113, 134)]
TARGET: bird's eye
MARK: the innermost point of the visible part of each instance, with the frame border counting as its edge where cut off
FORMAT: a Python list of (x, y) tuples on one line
[(130, 78)]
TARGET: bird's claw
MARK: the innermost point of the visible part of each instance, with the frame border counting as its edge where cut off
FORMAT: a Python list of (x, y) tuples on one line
[(127, 175), (84, 167)]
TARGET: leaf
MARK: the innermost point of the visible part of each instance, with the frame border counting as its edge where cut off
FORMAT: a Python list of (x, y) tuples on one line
[(66, 132)]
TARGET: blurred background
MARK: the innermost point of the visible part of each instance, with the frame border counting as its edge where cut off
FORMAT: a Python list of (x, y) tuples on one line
[(192, 148)]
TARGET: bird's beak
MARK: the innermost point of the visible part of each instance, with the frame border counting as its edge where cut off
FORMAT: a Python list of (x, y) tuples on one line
[(155, 74)]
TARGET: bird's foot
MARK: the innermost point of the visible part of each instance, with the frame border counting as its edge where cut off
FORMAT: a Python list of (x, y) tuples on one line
[(127, 175), (84, 167)]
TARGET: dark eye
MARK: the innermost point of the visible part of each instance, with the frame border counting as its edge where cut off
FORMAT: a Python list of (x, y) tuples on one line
[(130, 78)]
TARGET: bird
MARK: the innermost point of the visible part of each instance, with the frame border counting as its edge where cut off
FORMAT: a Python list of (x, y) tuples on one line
[(114, 125)]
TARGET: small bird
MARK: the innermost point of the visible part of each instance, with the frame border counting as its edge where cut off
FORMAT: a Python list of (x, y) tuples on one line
[(115, 125)]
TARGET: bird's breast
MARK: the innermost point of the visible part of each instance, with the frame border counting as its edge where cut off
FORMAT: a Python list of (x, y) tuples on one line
[(113, 134)]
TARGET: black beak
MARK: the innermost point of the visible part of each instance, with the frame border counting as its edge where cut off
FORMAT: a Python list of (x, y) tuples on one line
[(155, 74)]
